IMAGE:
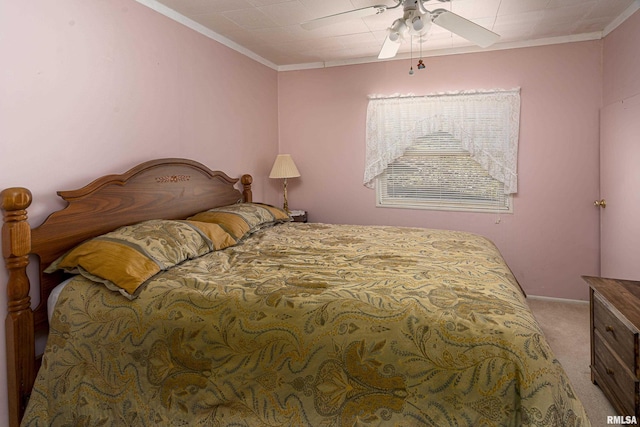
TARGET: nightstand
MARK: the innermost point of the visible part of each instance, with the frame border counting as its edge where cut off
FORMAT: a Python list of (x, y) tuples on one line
[(298, 215), (615, 344)]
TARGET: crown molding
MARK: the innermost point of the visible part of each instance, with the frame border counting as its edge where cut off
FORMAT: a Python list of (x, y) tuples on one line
[(635, 6), (450, 51), (172, 14)]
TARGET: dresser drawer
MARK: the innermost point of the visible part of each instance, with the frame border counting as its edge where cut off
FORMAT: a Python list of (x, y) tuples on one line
[(617, 334), (617, 378)]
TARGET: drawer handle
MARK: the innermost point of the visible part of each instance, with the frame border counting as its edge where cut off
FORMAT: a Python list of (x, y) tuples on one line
[(609, 328), (609, 371)]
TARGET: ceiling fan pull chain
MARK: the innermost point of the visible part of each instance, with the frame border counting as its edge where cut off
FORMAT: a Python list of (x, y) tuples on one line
[(421, 65)]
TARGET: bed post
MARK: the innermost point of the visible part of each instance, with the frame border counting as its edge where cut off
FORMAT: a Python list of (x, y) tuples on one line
[(247, 194), (16, 245)]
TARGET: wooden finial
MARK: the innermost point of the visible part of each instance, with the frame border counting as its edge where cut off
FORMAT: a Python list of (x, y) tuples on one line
[(246, 181)]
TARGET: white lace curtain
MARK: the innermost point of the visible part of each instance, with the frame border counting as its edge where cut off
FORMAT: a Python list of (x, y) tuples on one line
[(486, 123)]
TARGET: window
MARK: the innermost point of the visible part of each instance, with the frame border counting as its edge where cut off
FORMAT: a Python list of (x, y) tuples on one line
[(437, 173), (455, 151)]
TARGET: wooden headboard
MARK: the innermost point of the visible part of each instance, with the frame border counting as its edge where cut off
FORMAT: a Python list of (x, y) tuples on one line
[(165, 188)]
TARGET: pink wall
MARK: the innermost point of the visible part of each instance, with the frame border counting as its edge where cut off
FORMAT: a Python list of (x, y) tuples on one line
[(552, 236), (621, 62), (95, 87), (98, 87), (620, 151)]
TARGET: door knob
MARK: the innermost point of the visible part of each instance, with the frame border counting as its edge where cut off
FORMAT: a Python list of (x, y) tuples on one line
[(602, 203)]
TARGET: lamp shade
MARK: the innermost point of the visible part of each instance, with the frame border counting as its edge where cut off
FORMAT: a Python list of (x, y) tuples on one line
[(284, 167)]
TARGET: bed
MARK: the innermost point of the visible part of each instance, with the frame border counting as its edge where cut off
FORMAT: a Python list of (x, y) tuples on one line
[(272, 323)]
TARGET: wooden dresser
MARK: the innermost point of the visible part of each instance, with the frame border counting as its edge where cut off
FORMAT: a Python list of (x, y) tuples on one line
[(615, 346)]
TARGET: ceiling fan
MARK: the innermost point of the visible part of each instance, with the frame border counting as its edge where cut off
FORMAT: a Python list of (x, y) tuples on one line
[(415, 22)]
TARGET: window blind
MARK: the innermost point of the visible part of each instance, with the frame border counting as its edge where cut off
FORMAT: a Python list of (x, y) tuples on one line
[(437, 173), (486, 124)]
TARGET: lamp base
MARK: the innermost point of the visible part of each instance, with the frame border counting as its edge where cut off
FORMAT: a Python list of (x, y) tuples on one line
[(286, 202)]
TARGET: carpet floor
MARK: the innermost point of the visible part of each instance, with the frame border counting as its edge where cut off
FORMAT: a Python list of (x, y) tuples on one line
[(566, 327)]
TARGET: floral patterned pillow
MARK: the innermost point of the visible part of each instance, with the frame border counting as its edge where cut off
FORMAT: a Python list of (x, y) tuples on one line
[(126, 258), (242, 219)]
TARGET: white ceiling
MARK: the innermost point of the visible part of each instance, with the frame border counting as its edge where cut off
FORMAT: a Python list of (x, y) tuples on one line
[(270, 32)]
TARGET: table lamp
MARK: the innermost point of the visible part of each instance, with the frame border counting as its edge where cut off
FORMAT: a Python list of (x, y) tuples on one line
[(284, 168)]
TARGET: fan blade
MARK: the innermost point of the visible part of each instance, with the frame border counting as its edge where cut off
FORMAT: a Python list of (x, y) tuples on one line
[(389, 48), (464, 28), (344, 16)]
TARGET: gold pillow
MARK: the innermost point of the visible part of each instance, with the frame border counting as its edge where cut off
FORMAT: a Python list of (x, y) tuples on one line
[(218, 238), (242, 219), (126, 258)]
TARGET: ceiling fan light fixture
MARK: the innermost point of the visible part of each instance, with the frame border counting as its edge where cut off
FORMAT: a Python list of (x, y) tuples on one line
[(397, 29), (417, 23)]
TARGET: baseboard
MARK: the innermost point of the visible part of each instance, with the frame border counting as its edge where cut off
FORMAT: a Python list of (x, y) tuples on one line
[(572, 301)]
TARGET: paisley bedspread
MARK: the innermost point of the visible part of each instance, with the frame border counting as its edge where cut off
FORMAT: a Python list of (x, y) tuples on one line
[(308, 325)]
